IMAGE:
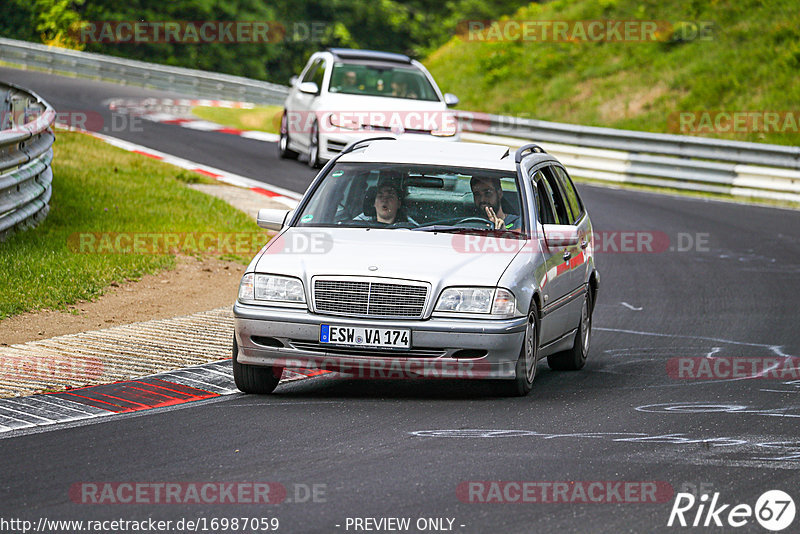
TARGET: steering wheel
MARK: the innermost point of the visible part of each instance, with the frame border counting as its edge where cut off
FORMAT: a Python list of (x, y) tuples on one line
[(475, 220)]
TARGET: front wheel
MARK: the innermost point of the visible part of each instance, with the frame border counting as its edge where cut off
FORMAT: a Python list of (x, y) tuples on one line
[(252, 378), (283, 143), (313, 148), (575, 358), (525, 368)]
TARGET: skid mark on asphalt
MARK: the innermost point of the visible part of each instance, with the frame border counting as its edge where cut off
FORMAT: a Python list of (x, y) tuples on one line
[(761, 451), (638, 361), (777, 349)]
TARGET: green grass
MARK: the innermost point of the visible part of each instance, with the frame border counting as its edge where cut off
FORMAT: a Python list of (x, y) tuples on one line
[(750, 63), (99, 188), (265, 119)]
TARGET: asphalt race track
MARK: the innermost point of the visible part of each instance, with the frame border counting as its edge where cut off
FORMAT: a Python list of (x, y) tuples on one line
[(723, 282)]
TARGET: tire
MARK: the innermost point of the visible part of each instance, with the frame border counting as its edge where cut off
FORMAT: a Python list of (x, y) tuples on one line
[(283, 143), (313, 148), (252, 378), (525, 368), (575, 358)]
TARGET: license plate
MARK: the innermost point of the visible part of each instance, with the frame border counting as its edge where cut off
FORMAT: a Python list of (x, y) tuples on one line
[(393, 338)]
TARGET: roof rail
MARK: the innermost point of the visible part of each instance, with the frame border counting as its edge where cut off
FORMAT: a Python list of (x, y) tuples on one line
[(351, 53), (534, 148), (357, 144)]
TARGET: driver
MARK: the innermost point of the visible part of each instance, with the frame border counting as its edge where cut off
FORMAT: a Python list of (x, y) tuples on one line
[(487, 194), (388, 204)]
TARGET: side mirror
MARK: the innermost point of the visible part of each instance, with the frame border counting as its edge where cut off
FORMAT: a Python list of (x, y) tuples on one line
[(560, 235), (309, 88), (271, 219), (293, 81), (451, 100)]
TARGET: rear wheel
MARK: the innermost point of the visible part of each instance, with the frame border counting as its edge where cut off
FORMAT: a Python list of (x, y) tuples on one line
[(575, 358), (252, 378), (283, 143), (313, 147), (525, 368)]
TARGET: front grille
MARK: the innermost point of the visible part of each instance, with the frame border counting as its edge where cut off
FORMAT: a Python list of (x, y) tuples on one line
[(324, 348), (370, 299)]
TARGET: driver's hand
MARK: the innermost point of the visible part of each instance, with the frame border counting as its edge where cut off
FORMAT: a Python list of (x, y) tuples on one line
[(498, 223)]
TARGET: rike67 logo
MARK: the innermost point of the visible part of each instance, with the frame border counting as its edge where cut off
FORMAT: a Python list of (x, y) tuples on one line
[(774, 510)]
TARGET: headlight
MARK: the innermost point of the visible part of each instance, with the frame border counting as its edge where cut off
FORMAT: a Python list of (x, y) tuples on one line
[(448, 128), (264, 288), (497, 301)]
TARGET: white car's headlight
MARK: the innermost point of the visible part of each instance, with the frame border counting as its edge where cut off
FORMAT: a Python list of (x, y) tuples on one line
[(446, 130), (259, 288), (497, 301)]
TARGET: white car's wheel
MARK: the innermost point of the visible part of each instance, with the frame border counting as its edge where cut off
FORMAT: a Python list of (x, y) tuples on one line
[(283, 143), (313, 147)]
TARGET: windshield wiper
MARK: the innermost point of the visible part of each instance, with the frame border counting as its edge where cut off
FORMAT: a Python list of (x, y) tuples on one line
[(446, 228)]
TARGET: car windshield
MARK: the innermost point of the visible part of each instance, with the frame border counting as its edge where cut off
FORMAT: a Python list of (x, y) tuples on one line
[(416, 197), (381, 80)]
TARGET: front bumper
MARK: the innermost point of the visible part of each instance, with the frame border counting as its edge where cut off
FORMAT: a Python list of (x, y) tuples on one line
[(440, 348)]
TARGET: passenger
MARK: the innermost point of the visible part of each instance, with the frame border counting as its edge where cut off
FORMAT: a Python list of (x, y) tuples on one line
[(487, 194), (350, 81), (388, 204), (401, 87)]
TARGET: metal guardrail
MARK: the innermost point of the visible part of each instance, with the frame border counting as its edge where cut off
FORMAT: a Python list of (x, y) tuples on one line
[(623, 156), (735, 168), (197, 83), (669, 172), (26, 152), (739, 169)]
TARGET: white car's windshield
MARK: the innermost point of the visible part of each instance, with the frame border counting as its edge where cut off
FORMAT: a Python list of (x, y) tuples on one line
[(417, 197), (381, 80)]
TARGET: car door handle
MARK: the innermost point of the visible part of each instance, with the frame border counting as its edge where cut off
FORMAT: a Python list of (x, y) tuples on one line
[(567, 255), (584, 244)]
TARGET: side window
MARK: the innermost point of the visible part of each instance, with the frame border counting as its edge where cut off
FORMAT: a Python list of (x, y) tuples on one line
[(544, 200), (319, 75), (568, 187), (312, 70), (559, 202)]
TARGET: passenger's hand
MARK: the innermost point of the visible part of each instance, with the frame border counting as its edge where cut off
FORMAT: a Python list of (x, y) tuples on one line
[(498, 223)]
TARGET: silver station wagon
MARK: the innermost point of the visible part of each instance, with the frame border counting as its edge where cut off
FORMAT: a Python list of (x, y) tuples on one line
[(409, 259)]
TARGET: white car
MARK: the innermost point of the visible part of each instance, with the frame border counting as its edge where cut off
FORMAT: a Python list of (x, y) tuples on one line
[(344, 95)]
